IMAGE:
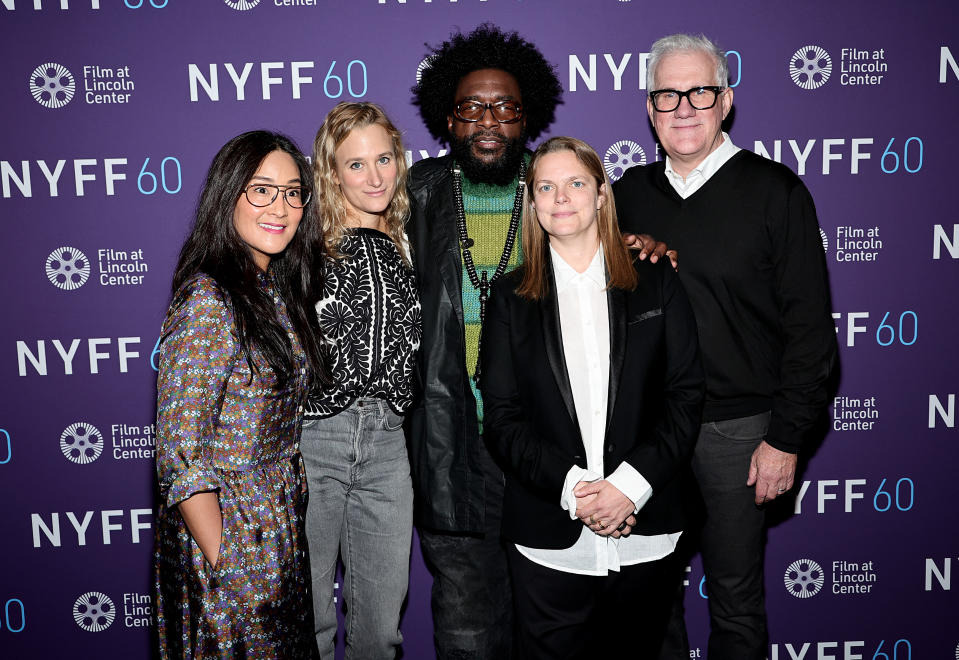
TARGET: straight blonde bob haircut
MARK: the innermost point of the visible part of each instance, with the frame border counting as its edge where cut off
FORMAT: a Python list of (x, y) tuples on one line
[(342, 120), (620, 273)]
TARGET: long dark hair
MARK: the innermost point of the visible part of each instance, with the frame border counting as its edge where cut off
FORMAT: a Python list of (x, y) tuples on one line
[(215, 248)]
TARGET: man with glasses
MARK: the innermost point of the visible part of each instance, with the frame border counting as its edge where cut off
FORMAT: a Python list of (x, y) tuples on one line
[(486, 94), (755, 272)]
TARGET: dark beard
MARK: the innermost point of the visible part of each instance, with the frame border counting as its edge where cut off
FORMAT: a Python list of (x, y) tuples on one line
[(501, 172)]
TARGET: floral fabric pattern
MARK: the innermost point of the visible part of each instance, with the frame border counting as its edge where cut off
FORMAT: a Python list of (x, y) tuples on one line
[(222, 427), (371, 322)]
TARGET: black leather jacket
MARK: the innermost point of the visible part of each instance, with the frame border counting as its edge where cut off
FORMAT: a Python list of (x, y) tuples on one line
[(443, 433)]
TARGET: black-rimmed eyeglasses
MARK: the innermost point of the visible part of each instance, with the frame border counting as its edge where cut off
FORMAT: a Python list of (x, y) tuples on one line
[(264, 194), (505, 112), (700, 98)]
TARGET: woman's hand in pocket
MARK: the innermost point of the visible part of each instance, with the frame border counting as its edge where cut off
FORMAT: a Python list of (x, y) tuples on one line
[(201, 513)]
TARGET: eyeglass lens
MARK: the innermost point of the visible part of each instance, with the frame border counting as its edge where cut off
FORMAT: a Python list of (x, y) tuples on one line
[(262, 194), (474, 110), (701, 98)]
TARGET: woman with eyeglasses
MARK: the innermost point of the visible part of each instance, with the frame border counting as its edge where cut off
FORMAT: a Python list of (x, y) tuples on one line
[(361, 497), (238, 350), (592, 387)]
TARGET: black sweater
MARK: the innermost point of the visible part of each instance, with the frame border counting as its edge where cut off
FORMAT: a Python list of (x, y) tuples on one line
[(752, 262)]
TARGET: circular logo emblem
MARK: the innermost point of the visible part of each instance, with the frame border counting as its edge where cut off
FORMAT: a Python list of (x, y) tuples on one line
[(52, 85), (68, 268), (425, 64), (810, 67), (621, 156), (242, 5), (825, 240), (804, 578), (81, 443), (94, 611)]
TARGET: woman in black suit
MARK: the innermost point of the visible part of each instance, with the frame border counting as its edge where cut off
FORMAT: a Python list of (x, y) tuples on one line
[(592, 388)]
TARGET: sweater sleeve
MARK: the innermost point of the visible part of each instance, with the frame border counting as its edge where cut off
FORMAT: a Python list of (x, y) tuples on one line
[(809, 338)]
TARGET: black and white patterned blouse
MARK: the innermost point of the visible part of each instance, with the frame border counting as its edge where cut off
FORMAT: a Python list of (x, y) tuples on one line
[(370, 317)]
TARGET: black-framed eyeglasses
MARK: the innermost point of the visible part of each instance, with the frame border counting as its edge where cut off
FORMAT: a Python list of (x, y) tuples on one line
[(700, 98), (264, 194), (505, 112)]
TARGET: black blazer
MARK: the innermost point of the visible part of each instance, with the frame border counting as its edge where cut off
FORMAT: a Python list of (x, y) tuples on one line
[(656, 391)]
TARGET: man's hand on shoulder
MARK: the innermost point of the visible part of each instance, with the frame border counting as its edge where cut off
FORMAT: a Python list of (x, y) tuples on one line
[(650, 247), (771, 471)]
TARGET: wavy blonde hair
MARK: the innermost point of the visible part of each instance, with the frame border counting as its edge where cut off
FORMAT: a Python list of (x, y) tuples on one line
[(339, 123), (619, 261)]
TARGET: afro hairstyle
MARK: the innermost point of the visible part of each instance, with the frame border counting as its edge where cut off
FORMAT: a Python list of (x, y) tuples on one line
[(486, 47)]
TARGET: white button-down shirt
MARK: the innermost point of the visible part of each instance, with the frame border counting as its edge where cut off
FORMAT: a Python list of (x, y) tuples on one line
[(698, 177), (584, 323)]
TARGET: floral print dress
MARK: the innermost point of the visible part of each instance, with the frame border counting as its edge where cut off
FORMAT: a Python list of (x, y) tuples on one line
[(226, 428)]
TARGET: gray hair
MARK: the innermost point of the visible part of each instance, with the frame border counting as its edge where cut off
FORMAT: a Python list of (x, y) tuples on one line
[(675, 43)]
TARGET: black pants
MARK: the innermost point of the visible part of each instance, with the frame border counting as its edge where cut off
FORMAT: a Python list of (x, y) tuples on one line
[(563, 615), (732, 542), (472, 610)]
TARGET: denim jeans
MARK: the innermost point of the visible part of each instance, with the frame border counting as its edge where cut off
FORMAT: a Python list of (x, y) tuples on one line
[(360, 509), (471, 599)]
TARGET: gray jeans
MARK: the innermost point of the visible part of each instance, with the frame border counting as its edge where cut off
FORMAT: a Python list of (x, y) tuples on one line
[(360, 509)]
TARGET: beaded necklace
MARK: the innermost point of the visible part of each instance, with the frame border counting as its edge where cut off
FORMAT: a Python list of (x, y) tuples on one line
[(483, 283)]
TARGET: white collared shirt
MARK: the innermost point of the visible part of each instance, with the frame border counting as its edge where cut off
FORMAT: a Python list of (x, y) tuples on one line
[(698, 177), (584, 324)]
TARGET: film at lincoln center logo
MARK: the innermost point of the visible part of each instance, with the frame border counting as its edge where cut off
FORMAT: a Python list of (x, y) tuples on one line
[(621, 156), (242, 5), (810, 67), (52, 85), (67, 268), (425, 64), (81, 443), (94, 611), (804, 578)]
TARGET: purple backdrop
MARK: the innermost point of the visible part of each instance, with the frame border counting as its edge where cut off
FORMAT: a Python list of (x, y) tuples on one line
[(858, 97)]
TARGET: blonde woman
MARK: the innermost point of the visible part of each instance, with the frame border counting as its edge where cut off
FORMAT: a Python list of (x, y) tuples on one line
[(361, 498)]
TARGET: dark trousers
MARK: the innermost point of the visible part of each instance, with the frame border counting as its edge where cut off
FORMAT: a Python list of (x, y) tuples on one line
[(733, 539), (563, 615), (472, 609)]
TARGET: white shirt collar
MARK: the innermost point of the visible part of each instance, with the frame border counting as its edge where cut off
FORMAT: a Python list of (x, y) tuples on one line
[(710, 165), (566, 274)]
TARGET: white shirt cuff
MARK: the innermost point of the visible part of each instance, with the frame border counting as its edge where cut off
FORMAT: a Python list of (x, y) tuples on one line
[(631, 484), (573, 477)]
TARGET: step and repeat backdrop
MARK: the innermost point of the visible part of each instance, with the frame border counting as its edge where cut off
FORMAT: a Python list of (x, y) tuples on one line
[(113, 109)]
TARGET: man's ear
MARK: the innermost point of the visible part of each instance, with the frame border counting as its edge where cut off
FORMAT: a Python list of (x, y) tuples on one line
[(727, 101)]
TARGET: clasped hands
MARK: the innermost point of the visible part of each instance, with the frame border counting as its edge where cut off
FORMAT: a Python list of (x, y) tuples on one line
[(603, 508)]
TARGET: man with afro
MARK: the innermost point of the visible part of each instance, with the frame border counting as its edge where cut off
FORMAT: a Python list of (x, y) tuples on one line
[(486, 94)]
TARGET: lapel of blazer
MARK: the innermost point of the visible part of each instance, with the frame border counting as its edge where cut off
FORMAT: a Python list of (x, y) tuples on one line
[(616, 302), (553, 341), (445, 244)]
